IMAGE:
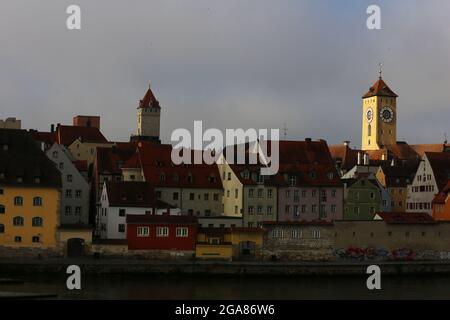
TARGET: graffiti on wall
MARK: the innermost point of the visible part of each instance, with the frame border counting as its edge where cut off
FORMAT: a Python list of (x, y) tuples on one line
[(370, 253)]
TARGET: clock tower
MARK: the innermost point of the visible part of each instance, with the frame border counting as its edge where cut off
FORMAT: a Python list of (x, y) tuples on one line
[(379, 118)]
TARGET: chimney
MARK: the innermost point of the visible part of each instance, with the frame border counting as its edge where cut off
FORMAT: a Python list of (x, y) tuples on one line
[(393, 162), (52, 128), (366, 159), (359, 158), (346, 143), (308, 140)]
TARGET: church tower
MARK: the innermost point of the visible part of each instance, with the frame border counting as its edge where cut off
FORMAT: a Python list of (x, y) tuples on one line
[(148, 118), (379, 118)]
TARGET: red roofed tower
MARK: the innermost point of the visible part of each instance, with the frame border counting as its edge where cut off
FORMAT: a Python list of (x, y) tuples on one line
[(379, 119), (148, 118)]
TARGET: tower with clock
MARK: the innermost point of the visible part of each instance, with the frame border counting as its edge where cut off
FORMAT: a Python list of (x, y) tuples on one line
[(379, 118)]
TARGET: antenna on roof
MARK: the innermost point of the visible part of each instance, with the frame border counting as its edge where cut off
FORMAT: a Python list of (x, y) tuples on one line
[(445, 138), (149, 85), (285, 130), (380, 70)]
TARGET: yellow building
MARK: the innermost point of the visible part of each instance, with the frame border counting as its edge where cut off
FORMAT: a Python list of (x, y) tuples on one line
[(29, 193), (379, 118), (229, 243)]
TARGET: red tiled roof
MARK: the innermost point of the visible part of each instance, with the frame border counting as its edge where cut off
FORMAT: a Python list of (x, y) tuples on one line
[(149, 100), (406, 217), (68, 134), (420, 149), (379, 88), (46, 137), (160, 171), (398, 176), (133, 162), (347, 156), (110, 160), (148, 219), (133, 194)]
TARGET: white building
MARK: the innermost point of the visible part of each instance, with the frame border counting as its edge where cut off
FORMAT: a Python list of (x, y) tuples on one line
[(122, 198), (431, 176), (75, 188)]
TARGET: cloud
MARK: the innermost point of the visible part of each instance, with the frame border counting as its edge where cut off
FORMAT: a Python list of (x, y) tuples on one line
[(237, 63)]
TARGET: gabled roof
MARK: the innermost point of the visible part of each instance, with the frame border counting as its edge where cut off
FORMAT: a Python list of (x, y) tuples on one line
[(344, 155), (133, 194), (23, 163), (397, 175), (48, 138), (161, 219), (149, 100), (440, 164), (160, 171), (65, 135), (379, 88), (110, 160), (300, 223), (405, 217), (420, 149)]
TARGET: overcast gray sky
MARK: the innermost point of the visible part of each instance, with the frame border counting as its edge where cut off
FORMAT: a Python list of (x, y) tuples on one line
[(233, 63)]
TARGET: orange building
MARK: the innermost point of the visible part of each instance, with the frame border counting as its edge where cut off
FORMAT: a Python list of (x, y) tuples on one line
[(441, 204)]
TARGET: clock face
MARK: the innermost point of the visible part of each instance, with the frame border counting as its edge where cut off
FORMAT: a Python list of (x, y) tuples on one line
[(386, 114), (369, 115)]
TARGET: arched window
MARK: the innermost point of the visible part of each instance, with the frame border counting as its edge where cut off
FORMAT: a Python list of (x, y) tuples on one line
[(2, 209), (37, 222), (369, 130), (2, 228), (18, 201), (37, 201), (18, 221)]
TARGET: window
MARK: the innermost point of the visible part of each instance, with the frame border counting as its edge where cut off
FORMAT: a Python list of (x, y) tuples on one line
[(259, 210), (36, 239), (277, 233), (207, 213), (37, 201), (162, 231), (314, 208), (143, 231), (260, 179), (260, 193), (269, 193), (303, 208), (292, 181), (330, 175), (236, 193), (2, 228), (206, 196), (369, 130), (182, 232), (175, 196), (250, 193), (229, 176), (17, 239), (68, 193), (2, 209), (69, 178), (216, 197), (296, 233), (372, 195), (288, 194), (235, 209), (78, 194), (316, 234), (313, 193), (55, 154), (191, 196), (287, 208), (61, 165), (78, 210), (37, 222), (158, 194), (162, 177), (250, 209), (68, 210), (269, 209), (18, 221), (122, 212), (296, 212), (18, 201), (333, 208), (296, 197), (303, 193), (121, 227)]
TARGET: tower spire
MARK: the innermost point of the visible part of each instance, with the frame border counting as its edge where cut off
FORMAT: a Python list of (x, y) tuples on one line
[(380, 70)]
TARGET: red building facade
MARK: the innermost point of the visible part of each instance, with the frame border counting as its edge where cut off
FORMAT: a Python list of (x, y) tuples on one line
[(151, 232)]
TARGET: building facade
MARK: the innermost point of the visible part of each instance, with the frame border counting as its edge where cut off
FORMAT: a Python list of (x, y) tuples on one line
[(75, 188)]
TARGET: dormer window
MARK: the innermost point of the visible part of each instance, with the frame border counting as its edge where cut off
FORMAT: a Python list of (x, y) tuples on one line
[(246, 175), (175, 177), (330, 175), (212, 179), (260, 178), (292, 181), (312, 175), (37, 179), (190, 178), (162, 177)]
